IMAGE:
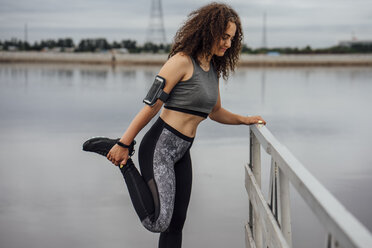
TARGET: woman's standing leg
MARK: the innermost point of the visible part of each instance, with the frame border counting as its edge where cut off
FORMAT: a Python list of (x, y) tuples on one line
[(161, 148), (172, 237)]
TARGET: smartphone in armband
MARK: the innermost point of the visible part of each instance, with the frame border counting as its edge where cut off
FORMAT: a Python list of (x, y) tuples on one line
[(155, 91)]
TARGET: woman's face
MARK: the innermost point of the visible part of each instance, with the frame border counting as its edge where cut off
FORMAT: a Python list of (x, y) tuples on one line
[(220, 47)]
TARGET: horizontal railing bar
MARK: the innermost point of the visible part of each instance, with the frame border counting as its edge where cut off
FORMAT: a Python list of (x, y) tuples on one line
[(330, 212), (275, 236)]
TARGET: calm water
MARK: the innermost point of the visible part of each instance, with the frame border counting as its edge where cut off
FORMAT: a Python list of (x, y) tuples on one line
[(54, 195)]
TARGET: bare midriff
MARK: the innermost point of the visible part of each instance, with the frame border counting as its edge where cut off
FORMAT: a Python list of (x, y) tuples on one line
[(183, 122)]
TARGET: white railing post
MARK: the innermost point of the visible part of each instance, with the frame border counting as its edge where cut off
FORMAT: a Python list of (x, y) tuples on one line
[(343, 228), (285, 208), (256, 169)]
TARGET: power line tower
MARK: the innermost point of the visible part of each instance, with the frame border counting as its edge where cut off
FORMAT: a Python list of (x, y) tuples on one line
[(156, 31), (264, 41), (26, 33)]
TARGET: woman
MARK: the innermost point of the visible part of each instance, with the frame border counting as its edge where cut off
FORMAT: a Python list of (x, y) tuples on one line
[(205, 48)]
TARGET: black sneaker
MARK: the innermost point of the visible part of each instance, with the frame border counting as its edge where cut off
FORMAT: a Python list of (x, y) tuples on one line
[(103, 145)]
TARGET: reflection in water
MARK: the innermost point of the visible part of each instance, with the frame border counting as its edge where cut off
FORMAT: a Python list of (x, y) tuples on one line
[(57, 73), (26, 78), (150, 75), (93, 74), (67, 74), (263, 83), (130, 74), (49, 187)]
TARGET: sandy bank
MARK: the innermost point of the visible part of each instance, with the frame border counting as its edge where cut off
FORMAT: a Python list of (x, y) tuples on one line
[(158, 59)]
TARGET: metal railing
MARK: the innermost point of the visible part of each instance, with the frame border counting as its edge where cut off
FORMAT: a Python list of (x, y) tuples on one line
[(269, 223)]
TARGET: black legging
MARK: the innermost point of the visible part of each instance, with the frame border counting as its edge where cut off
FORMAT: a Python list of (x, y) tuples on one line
[(161, 195)]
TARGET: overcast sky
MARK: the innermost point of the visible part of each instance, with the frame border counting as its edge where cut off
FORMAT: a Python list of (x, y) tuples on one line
[(318, 23)]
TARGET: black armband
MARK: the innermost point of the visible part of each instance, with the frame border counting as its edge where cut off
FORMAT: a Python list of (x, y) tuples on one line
[(156, 92)]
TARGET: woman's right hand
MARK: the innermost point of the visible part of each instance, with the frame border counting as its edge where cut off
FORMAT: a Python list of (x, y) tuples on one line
[(256, 119), (118, 155)]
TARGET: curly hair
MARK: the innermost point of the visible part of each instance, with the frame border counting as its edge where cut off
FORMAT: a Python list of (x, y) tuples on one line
[(203, 28)]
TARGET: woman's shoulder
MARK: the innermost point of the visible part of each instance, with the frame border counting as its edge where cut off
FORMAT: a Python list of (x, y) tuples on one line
[(181, 59), (177, 68)]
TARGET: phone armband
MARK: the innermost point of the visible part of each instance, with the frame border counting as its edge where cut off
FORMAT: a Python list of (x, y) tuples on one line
[(156, 92)]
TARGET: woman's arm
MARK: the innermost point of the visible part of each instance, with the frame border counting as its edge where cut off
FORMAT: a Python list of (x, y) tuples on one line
[(224, 116), (174, 70)]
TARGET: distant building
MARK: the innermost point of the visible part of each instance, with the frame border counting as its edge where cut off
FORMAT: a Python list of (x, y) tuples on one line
[(356, 43), (273, 53), (120, 50), (69, 49), (56, 49), (12, 48)]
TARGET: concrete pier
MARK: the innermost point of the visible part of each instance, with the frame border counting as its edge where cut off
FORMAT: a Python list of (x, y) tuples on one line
[(159, 59)]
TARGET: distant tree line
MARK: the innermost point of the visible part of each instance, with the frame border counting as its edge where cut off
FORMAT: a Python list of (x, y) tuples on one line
[(309, 50), (131, 46), (85, 45)]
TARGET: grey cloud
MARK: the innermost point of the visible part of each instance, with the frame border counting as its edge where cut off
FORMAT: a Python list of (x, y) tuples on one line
[(111, 16)]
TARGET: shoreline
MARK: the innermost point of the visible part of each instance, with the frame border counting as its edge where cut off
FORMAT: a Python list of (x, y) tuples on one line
[(246, 60)]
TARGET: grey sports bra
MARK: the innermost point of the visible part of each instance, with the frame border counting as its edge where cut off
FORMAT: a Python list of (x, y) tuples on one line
[(197, 95)]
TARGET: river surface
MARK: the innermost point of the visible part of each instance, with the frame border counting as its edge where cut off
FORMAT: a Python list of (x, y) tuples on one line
[(52, 194)]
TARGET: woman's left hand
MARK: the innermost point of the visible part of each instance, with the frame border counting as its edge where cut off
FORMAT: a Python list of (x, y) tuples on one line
[(249, 120)]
